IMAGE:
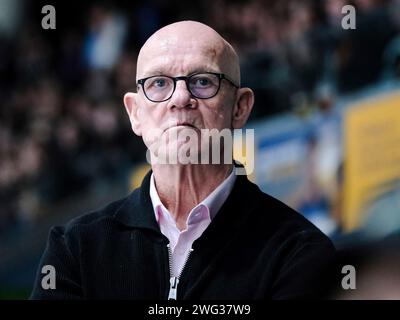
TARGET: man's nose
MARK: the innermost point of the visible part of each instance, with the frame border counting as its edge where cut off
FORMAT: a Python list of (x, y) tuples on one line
[(181, 97)]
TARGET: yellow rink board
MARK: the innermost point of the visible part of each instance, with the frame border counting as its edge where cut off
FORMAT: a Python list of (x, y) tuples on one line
[(372, 153)]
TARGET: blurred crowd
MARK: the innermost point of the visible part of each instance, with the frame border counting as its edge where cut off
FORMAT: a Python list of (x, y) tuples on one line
[(62, 121), (291, 47)]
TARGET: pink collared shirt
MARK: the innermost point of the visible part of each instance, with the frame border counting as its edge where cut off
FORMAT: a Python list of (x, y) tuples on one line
[(197, 221)]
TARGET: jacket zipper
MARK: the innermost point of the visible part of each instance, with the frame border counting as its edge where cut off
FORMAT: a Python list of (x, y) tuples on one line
[(174, 281)]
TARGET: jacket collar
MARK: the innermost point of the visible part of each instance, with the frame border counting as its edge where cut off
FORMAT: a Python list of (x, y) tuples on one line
[(137, 209)]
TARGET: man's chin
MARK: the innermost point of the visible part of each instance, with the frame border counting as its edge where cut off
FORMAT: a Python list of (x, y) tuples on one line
[(178, 152)]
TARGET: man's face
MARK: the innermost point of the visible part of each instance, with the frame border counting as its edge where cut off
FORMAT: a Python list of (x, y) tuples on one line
[(162, 122), (183, 49)]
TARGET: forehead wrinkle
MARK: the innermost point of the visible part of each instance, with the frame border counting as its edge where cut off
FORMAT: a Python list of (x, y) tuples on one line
[(178, 67), (187, 61)]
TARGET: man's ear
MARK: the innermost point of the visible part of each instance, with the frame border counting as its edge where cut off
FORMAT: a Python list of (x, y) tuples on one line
[(132, 109), (242, 108)]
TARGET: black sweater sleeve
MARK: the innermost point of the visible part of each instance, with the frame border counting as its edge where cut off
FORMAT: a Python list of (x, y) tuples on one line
[(58, 254), (308, 272)]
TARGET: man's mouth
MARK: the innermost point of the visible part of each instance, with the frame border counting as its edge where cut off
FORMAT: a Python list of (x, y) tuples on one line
[(181, 124)]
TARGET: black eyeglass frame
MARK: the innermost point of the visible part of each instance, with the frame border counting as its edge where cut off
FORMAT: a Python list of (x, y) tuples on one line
[(220, 76)]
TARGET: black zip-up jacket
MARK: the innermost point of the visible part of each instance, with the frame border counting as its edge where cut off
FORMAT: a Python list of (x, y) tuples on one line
[(255, 248)]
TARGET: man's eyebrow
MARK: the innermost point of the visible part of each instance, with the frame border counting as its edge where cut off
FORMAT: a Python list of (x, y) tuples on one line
[(151, 73), (201, 70)]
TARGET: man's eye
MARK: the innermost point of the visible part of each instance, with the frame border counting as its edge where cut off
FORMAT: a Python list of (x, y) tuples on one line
[(202, 82), (159, 83)]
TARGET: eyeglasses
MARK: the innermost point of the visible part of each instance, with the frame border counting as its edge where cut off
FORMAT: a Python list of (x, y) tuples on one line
[(200, 85)]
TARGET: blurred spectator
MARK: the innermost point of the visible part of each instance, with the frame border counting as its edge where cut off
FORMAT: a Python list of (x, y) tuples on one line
[(360, 51), (11, 14), (105, 38)]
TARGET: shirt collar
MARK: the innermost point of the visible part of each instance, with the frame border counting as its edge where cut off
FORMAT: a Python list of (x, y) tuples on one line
[(213, 202)]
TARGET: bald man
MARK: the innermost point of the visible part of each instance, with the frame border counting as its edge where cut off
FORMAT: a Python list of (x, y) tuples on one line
[(194, 229)]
